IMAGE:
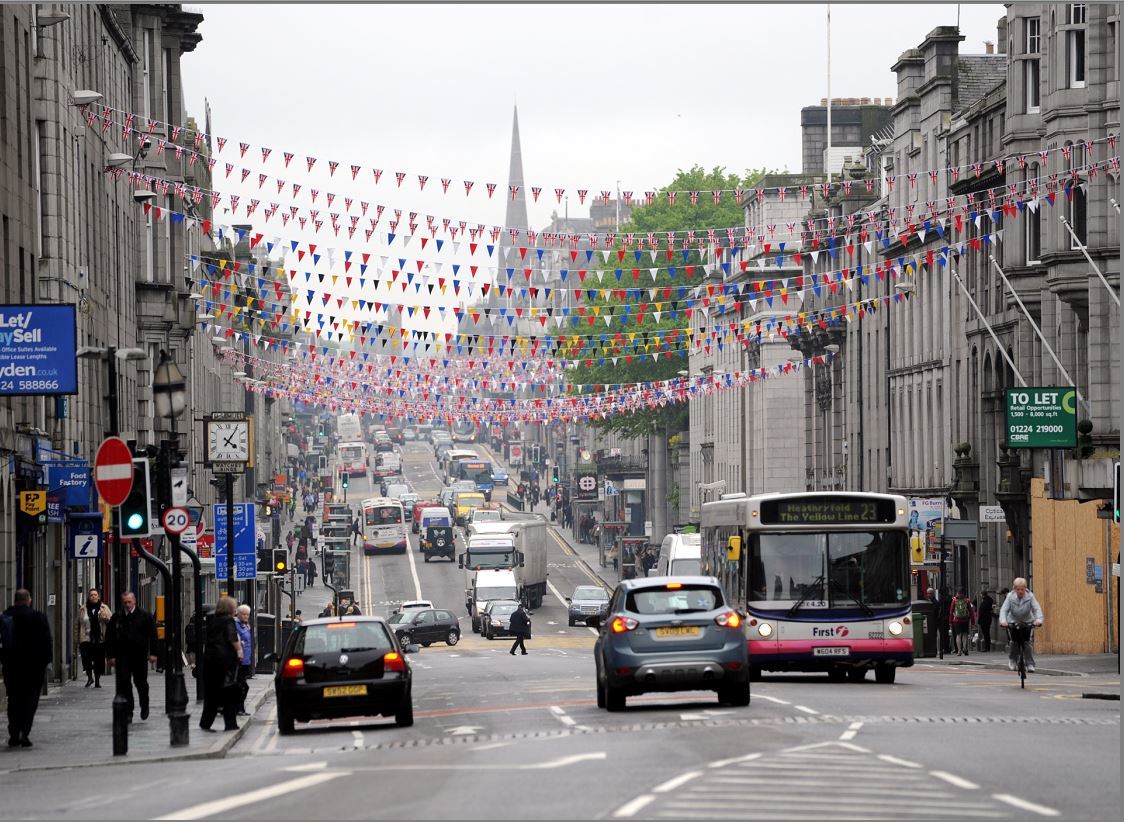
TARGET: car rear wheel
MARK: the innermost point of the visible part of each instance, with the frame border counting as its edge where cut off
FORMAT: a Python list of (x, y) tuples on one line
[(600, 694), (454, 637), (285, 723), (570, 622), (404, 716), (884, 674), (488, 633), (736, 695), (614, 698)]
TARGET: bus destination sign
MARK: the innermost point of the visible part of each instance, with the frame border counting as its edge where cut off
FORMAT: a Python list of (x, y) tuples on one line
[(837, 510)]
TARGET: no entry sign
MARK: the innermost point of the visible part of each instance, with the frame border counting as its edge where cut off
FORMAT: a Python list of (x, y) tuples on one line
[(113, 471)]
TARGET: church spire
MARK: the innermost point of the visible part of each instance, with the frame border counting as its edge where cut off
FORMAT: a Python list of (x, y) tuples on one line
[(516, 216)]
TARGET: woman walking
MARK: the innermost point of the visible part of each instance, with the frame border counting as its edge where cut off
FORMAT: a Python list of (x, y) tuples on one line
[(92, 622), (221, 657)]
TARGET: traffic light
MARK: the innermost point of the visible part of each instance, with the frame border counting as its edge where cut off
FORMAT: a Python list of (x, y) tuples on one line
[(1085, 446), (345, 479), (554, 475), (135, 511), (280, 561)]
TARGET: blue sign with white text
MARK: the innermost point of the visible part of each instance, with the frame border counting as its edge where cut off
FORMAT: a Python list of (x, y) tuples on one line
[(38, 349), (245, 541), (72, 478)]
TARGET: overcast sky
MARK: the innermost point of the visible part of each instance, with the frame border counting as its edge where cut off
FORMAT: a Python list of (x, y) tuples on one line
[(605, 92)]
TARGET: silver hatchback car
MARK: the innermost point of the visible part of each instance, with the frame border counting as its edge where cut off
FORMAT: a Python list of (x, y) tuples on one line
[(670, 634)]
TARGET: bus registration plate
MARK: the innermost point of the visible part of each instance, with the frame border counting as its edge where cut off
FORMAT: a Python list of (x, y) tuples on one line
[(833, 650)]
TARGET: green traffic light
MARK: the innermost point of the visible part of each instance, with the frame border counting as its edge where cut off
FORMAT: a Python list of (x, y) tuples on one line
[(135, 521)]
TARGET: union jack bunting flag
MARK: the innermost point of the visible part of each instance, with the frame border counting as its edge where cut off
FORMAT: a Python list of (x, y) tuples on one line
[(422, 180), (649, 197), (229, 168), (671, 198), (717, 197), (355, 172), (280, 185), (243, 148), (581, 195), (467, 187), (491, 189), (311, 162), (378, 174), (535, 192), (245, 174), (288, 158), (400, 176), (221, 140), (912, 179), (332, 166), (558, 192), (694, 198), (315, 194), (513, 190), (445, 181), (261, 179), (606, 196), (782, 192), (176, 133)]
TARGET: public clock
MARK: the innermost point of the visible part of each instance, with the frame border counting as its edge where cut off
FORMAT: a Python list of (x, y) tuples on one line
[(228, 441)]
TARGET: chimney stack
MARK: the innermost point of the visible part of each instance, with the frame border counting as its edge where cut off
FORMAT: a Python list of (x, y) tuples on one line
[(989, 47)]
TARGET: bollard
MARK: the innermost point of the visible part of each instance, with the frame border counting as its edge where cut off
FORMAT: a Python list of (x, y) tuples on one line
[(120, 724)]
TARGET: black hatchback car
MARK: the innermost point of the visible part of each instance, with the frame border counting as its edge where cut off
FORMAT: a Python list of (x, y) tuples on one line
[(333, 668), (425, 627)]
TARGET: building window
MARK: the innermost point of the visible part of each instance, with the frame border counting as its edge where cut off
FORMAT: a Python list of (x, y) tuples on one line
[(1076, 207), (146, 73), (1032, 219), (1075, 45), (1032, 84), (149, 249), (1032, 39), (166, 90)]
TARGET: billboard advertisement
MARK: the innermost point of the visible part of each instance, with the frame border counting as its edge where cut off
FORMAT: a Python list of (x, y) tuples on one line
[(38, 345), (926, 519)]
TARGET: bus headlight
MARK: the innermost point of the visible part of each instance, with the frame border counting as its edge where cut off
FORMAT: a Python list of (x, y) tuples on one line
[(895, 628), (765, 629)]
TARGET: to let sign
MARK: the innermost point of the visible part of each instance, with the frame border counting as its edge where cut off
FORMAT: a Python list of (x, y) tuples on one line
[(1041, 418), (38, 349)]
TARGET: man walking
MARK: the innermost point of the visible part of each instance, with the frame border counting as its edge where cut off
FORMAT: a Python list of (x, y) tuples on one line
[(131, 643), (356, 530), (520, 627), (985, 607), (26, 654)]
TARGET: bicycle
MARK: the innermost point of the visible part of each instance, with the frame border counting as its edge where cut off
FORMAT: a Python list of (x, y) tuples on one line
[(1020, 633)]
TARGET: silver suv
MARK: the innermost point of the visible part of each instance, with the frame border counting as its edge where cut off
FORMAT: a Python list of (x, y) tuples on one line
[(670, 634)]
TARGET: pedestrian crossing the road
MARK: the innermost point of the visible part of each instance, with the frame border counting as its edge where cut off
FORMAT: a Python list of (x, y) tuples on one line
[(827, 780)]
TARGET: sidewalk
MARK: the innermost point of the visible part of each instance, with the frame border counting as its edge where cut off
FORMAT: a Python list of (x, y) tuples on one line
[(74, 728), (1048, 664)]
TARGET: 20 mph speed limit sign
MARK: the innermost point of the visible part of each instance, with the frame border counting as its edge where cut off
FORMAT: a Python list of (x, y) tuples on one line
[(175, 520)]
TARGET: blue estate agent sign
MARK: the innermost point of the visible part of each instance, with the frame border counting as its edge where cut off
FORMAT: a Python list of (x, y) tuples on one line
[(38, 349)]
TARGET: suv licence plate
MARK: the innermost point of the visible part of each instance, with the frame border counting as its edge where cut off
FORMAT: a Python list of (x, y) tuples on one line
[(346, 690), (687, 630), (834, 650)]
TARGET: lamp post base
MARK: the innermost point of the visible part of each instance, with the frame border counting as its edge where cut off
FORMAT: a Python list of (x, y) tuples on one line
[(177, 713)]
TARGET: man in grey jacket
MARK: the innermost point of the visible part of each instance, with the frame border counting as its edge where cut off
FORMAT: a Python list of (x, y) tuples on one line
[(1020, 606)]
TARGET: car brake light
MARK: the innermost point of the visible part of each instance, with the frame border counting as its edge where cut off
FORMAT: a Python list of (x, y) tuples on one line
[(393, 661), (674, 586), (294, 668), (622, 624), (731, 619)]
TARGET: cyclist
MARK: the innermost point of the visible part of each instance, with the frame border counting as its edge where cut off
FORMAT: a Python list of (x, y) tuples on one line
[(1020, 606)]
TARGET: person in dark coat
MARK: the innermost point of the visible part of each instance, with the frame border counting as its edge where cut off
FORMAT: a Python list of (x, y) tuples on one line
[(25, 665), (985, 608), (221, 656), (520, 626), (130, 645)]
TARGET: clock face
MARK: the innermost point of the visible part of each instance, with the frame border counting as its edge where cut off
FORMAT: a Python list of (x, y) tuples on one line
[(228, 441)]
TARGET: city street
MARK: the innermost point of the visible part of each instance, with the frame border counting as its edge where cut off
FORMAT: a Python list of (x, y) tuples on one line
[(945, 741)]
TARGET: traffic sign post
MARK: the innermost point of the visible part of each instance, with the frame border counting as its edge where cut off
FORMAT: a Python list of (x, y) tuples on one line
[(243, 538), (175, 520)]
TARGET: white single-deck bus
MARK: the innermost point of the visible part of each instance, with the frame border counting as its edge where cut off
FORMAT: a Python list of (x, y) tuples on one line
[(384, 526), (823, 578), (353, 458)]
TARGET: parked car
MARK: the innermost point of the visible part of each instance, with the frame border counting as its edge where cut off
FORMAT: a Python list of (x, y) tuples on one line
[(426, 626), (670, 634), (496, 618), (587, 601), (334, 668)]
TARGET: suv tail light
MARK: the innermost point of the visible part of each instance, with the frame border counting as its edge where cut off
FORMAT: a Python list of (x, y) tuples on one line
[(394, 662), (294, 668), (622, 624), (730, 619)]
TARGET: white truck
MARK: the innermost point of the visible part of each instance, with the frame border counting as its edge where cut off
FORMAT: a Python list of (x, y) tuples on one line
[(487, 585), (349, 428), (518, 544)]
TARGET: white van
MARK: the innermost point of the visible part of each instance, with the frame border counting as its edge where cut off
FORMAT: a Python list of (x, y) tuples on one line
[(680, 554)]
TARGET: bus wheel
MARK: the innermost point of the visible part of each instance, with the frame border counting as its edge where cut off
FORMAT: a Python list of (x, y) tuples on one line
[(884, 674), (856, 674)]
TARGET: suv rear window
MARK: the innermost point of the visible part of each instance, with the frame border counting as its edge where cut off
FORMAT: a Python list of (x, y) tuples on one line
[(683, 600), (337, 637)]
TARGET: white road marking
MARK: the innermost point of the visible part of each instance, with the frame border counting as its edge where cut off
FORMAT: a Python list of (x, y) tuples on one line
[(806, 710), (893, 760), (852, 729), (413, 571), (308, 766), (953, 779), (771, 699), (1025, 805), (490, 746), (734, 760), (563, 761), (675, 782), (560, 715), (357, 739), (634, 806), (218, 806)]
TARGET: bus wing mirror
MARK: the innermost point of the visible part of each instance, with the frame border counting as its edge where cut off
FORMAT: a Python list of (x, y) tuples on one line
[(460, 560), (734, 549), (519, 558)]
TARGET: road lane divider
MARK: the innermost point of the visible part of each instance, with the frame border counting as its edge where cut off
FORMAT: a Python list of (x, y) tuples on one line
[(634, 806), (953, 779), (1024, 805), (851, 731), (675, 782), (230, 803)]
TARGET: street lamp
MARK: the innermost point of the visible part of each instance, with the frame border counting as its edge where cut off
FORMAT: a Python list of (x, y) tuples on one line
[(169, 393)]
